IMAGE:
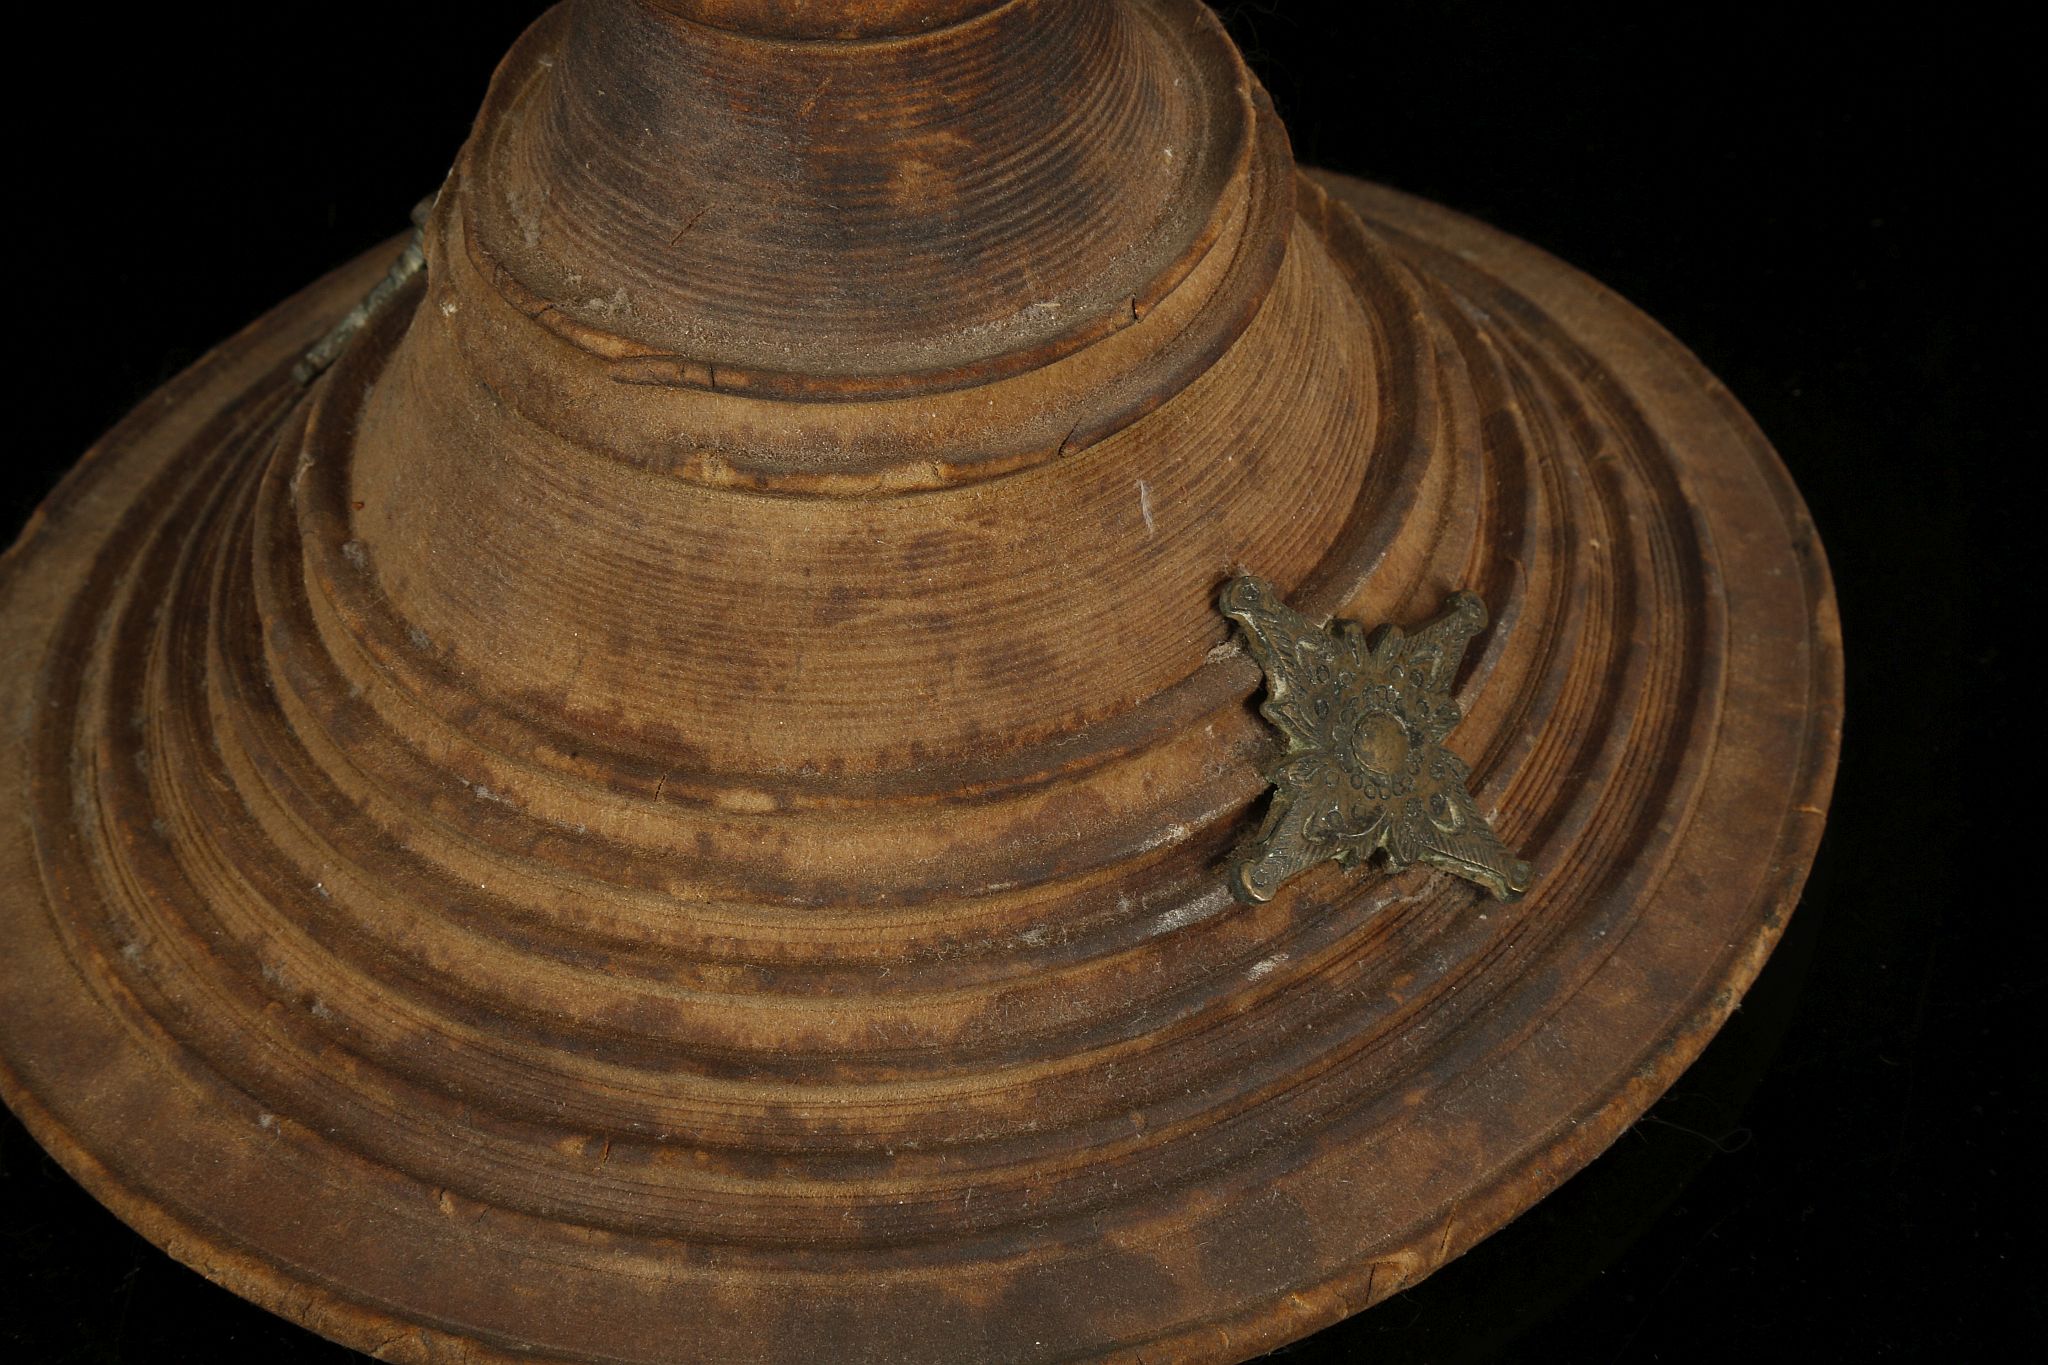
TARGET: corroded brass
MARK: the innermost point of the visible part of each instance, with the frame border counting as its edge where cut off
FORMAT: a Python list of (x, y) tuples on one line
[(1365, 768)]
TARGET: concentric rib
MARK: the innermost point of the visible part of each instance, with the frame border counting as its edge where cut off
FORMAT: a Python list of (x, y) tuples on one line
[(1678, 612), (632, 410), (979, 245), (379, 1118)]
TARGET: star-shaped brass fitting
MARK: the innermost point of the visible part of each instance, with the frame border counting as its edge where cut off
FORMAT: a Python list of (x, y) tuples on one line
[(1365, 769)]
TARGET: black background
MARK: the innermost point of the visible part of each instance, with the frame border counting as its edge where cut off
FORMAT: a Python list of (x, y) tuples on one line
[(1819, 200)]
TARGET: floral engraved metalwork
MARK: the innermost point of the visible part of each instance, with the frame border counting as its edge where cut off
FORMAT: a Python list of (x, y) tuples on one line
[(1365, 769)]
